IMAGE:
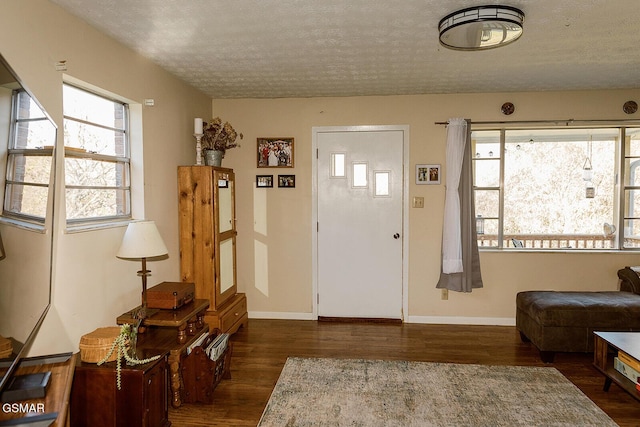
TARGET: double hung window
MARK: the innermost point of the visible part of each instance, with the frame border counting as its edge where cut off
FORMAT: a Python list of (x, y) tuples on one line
[(97, 157), (31, 141)]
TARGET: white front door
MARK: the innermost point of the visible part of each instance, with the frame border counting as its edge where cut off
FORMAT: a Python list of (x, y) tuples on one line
[(360, 223)]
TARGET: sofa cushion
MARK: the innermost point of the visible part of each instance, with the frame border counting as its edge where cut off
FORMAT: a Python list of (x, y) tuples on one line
[(607, 309)]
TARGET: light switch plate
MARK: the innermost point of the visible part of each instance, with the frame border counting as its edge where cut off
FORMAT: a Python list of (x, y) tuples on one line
[(418, 202)]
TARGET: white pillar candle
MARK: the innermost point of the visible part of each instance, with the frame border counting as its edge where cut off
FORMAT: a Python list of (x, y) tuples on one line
[(197, 124)]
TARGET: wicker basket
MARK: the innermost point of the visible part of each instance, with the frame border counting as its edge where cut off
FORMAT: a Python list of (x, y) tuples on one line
[(95, 345), (6, 348)]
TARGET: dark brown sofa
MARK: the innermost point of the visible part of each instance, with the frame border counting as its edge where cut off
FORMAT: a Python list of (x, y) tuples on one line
[(565, 321)]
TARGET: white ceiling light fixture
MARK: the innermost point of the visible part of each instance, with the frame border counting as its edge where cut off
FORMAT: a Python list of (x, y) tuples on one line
[(481, 27)]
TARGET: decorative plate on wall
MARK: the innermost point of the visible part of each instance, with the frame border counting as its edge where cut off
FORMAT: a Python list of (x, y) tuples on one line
[(630, 107), (507, 108)]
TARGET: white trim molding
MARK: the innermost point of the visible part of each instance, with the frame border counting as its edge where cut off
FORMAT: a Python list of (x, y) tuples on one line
[(281, 315), (456, 320)]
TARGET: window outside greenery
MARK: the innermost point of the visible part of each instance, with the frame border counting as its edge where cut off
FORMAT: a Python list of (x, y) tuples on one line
[(97, 159), (557, 188), (31, 141)]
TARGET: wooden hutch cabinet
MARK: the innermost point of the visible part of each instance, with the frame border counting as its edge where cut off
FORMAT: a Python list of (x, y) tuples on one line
[(208, 243)]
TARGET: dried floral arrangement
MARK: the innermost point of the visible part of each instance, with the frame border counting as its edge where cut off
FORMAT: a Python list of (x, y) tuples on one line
[(218, 136)]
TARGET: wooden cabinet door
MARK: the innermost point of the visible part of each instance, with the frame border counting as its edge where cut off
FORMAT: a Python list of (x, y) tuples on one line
[(156, 396), (142, 401), (225, 235), (208, 231)]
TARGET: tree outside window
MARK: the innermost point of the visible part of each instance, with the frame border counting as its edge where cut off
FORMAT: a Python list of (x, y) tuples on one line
[(532, 191)]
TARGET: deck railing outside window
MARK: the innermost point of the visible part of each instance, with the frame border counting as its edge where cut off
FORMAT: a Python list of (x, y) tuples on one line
[(551, 241)]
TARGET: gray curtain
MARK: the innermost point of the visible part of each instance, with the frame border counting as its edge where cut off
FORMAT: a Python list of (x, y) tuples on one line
[(470, 278)]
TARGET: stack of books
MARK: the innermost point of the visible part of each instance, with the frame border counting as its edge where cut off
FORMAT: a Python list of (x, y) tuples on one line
[(628, 366)]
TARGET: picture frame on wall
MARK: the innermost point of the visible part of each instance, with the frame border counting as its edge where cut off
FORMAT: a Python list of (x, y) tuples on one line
[(427, 174), (286, 181), (275, 152), (264, 181)]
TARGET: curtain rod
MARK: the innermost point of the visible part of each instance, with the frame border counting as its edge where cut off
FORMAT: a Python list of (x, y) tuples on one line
[(567, 122)]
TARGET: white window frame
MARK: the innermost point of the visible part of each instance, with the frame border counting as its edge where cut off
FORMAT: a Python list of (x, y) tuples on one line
[(13, 152), (620, 190)]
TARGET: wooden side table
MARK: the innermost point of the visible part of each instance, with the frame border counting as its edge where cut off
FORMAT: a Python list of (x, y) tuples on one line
[(186, 320), (171, 331), (606, 347), (158, 339)]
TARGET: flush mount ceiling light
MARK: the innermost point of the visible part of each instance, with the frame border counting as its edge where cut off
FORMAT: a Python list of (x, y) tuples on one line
[(481, 27)]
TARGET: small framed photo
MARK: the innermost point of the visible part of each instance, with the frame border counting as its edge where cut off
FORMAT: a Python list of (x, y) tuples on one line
[(427, 174), (275, 152), (286, 181), (264, 181)]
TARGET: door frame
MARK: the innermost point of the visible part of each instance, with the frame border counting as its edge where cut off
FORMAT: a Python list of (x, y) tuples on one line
[(405, 207)]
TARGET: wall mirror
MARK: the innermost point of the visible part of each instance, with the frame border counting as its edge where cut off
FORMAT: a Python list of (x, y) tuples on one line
[(26, 231)]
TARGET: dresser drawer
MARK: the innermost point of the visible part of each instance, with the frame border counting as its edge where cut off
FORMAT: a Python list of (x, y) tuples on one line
[(233, 313)]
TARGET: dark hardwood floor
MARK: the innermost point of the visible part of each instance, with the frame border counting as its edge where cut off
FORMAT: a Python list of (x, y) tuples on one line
[(260, 351)]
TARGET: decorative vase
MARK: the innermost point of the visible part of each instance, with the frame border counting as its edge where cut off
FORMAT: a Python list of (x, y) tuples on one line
[(213, 157)]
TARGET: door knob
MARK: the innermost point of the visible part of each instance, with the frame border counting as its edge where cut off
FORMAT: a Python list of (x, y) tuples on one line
[(396, 236)]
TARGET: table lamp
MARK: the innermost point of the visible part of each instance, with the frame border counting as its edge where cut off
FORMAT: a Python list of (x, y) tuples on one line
[(142, 240)]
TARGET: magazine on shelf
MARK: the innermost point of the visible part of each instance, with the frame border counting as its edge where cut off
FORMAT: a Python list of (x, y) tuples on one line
[(626, 370), (217, 346), (197, 342)]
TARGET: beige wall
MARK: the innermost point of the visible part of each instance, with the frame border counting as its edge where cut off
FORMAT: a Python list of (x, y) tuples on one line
[(286, 291), (91, 287)]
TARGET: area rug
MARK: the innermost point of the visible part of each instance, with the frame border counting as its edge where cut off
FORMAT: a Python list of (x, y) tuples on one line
[(341, 392)]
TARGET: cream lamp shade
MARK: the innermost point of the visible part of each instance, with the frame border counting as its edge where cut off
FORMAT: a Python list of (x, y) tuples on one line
[(142, 240)]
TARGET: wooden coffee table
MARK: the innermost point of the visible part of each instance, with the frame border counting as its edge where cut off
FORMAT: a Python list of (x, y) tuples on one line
[(606, 347)]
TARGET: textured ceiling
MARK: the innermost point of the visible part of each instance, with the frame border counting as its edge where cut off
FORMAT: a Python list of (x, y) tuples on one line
[(304, 48)]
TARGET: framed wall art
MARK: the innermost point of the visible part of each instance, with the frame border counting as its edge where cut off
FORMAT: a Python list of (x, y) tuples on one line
[(427, 174), (264, 181), (286, 181), (275, 152)]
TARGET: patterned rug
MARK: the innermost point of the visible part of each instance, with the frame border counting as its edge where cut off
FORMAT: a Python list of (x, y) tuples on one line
[(335, 392)]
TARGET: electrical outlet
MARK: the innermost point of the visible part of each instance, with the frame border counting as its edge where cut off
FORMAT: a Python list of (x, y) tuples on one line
[(418, 202), (445, 294)]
